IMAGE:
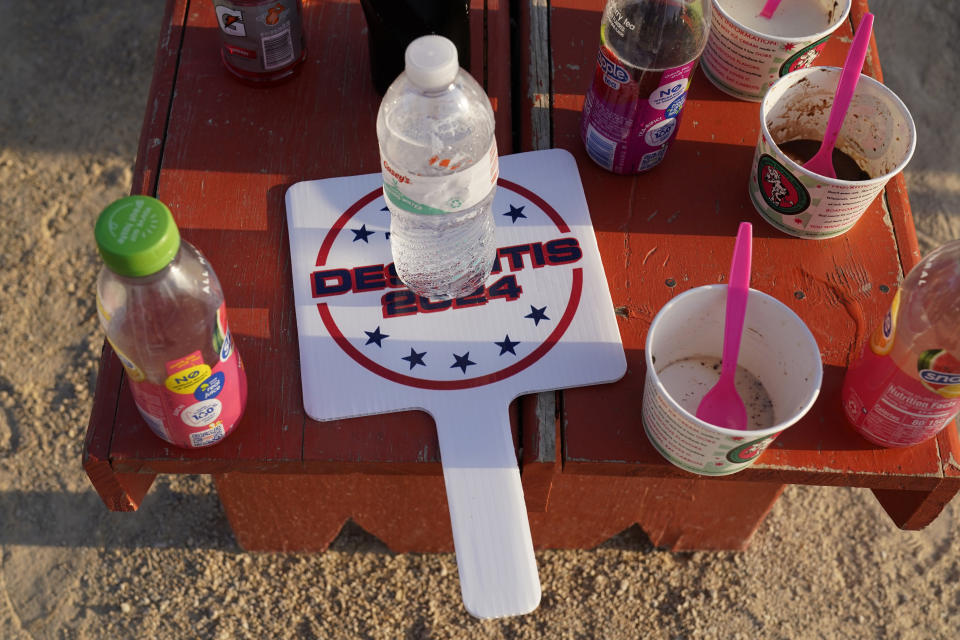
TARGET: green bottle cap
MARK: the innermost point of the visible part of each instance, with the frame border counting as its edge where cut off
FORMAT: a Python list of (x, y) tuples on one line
[(137, 236)]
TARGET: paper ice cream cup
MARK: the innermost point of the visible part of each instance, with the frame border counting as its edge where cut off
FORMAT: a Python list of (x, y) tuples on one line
[(746, 54), (878, 133), (777, 348)]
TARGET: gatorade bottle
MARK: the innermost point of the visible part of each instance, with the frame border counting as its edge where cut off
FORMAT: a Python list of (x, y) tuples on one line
[(440, 166), (261, 41), (905, 387), (649, 50), (162, 308)]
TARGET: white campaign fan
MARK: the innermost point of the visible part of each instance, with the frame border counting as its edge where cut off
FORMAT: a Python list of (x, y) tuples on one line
[(544, 321)]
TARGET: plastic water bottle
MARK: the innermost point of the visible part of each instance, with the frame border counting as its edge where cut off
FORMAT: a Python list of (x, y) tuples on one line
[(162, 308), (649, 50), (905, 387), (440, 167)]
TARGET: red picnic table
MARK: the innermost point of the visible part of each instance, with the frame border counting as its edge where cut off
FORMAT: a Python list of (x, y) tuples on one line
[(222, 155)]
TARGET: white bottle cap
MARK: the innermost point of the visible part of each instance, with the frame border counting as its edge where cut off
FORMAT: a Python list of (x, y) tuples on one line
[(431, 62)]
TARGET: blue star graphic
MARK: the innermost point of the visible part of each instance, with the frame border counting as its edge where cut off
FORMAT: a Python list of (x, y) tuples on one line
[(462, 361), (507, 345), (415, 358), (362, 234), (514, 213), (537, 314), (375, 337)]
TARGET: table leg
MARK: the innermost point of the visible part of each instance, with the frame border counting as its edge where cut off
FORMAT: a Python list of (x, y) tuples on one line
[(914, 510), (119, 491), (677, 514), (304, 513)]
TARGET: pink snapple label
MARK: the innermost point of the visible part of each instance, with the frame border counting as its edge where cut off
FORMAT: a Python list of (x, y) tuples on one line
[(896, 408), (630, 116), (198, 405)]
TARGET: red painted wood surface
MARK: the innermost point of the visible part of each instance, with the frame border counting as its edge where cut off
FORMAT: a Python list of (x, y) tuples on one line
[(916, 509), (671, 229), (304, 512), (222, 154)]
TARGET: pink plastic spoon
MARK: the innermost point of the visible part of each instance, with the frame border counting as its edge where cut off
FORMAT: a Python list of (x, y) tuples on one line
[(723, 406), (769, 8), (822, 162)]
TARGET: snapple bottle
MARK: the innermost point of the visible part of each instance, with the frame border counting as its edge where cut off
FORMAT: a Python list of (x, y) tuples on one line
[(648, 52), (163, 311), (905, 387)]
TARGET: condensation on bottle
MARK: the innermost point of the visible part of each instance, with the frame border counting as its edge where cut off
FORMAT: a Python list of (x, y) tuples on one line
[(438, 154), (648, 52), (905, 386), (163, 312)]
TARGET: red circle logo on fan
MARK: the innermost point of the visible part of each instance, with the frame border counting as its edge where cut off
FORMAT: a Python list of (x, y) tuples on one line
[(504, 327)]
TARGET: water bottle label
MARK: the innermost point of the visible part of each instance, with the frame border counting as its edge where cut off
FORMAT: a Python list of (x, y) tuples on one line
[(437, 195), (631, 115), (199, 403)]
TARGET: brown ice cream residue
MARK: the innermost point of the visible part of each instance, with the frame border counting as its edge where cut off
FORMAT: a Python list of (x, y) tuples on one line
[(846, 168)]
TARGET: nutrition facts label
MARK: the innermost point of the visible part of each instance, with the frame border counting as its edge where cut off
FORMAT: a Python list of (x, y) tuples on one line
[(901, 416)]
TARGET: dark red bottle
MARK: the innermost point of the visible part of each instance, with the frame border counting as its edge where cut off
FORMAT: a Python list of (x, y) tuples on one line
[(261, 41), (393, 24)]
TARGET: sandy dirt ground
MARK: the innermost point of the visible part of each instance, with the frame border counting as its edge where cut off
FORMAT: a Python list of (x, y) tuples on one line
[(827, 562)]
